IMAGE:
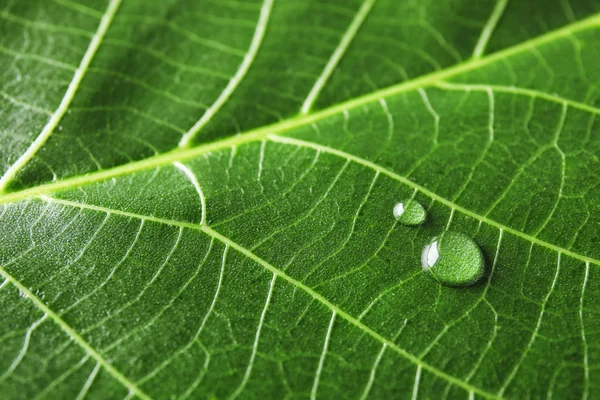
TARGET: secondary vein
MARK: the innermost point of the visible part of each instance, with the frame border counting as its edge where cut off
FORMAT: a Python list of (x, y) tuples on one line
[(515, 90), (489, 27), (337, 55), (433, 195), (277, 272), (74, 335), (49, 128), (180, 154), (259, 33)]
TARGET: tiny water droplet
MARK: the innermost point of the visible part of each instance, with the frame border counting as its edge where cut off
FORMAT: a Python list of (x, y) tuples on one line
[(453, 259), (409, 212)]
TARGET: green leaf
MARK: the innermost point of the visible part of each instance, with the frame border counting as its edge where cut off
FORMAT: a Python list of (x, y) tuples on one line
[(197, 198)]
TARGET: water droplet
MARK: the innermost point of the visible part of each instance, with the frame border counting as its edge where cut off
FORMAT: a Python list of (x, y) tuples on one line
[(409, 212), (453, 259)]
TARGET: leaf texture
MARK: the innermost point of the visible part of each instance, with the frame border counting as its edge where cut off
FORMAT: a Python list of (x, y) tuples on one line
[(197, 198)]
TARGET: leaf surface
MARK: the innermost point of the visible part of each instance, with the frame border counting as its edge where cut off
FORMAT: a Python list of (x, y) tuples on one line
[(197, 198)]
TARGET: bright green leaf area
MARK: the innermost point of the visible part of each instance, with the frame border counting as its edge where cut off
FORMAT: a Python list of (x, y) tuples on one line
[(196, 198)]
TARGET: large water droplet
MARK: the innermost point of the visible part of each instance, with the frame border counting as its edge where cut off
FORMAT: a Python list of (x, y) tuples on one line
[(409, 212), (453, 259)]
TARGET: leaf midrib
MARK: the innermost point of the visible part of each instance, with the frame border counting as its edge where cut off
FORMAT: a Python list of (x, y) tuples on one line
[(246, 252), (435, 79), (80, 181)]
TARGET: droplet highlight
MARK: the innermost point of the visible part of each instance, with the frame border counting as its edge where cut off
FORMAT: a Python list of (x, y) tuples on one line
[(409, 212), (453, 259)]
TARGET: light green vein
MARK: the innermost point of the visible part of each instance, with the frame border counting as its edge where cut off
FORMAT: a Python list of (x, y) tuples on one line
[(337, 55), (23, 104), (489, 27), (433, 195), (518, 91), (42, 59), (68, 97), (80, 8), (44, 26), (73, 335), (259, 33), (175, 27), (256, 136), (317, 296), (435, 79), (302, 120)]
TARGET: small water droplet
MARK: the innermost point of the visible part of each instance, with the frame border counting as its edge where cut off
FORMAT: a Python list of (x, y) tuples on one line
[(409, 212), (453, 259)]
